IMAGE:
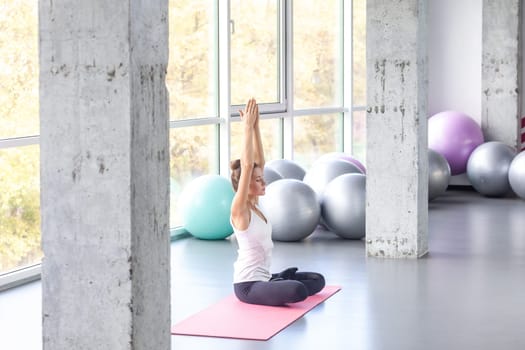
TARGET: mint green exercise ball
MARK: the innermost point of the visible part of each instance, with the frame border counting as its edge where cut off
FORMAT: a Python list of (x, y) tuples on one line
[(205, 204)]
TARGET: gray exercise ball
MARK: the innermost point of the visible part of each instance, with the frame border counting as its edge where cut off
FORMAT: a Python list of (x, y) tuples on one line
[(288, 169), (270, 175), (517, 175), (292, 208), (325, 170), (343, 206), (488, 168), (438, 174)]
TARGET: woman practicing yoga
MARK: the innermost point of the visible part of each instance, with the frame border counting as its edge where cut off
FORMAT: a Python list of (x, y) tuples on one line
[(253, 282)]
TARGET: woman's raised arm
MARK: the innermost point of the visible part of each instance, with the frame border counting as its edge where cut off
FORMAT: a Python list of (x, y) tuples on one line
[(257, 142), (240, 210)]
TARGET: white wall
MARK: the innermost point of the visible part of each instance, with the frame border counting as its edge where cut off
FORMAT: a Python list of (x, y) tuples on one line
[(454, 56)]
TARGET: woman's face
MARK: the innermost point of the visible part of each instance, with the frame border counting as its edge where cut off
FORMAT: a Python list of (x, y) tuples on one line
[(257, 185)]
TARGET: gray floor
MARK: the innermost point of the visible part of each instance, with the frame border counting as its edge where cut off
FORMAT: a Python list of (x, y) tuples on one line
[(468, 293)]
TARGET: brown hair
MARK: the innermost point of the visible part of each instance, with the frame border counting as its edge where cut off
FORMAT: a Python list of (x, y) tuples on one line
[(235, 166)]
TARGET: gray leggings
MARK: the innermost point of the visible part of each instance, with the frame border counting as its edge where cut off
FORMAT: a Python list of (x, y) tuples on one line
[(286, 287)]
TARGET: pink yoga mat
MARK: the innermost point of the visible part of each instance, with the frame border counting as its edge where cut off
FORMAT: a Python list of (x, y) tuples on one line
[(230, 318)]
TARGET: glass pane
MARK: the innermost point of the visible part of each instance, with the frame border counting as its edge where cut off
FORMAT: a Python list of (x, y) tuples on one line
[(254, 51), (193, 152), (19, 208), (316, 135), (359, 136), (192, 67), (359, 52), (271, 132), (19, 68), (317, 53)]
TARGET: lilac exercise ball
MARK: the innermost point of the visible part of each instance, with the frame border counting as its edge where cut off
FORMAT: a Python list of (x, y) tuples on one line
[(454, 135), (270, 175), (287, 169), (346, 157)]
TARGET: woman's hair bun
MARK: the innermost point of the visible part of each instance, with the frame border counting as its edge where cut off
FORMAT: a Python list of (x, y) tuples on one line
[(235, 164)]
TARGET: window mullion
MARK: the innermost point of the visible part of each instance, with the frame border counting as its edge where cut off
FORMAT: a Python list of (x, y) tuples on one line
[(224, 86), (282, 54), (348, 62), (288, 134)]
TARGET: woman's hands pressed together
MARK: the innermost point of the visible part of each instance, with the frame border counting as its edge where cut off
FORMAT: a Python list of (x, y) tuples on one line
[(250, 115)]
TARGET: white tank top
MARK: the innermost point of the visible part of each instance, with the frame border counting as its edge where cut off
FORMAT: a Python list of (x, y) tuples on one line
[(255, 251)]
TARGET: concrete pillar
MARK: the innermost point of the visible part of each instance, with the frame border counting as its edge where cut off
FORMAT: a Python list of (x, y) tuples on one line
[(500, 103), (397, 156), (104, 174)]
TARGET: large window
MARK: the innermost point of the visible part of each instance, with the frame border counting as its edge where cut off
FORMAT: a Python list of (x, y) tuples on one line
[(19, 125), (304, 61)]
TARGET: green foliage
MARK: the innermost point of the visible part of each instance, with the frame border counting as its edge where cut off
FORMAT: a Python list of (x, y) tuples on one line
[(192, 57), (19, 207), (254, 51), (192, 153), (359, 52), (18, 68), (317, 54), (315, 136)]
